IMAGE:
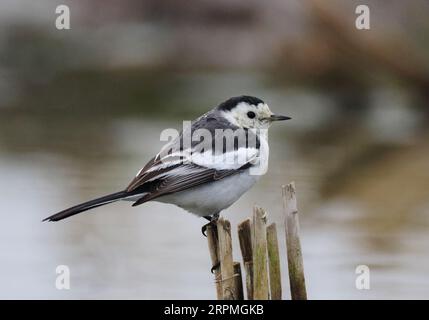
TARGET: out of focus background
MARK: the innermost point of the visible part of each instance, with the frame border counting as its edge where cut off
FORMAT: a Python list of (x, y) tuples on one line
[(81, 110)]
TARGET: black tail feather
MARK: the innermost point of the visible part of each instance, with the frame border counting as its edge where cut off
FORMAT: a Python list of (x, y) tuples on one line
[(87, 206)]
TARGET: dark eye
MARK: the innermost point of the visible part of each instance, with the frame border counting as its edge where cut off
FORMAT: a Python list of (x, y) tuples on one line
[(251, 114)]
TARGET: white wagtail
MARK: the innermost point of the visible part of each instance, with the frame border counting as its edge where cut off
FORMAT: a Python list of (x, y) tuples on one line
[(193, 176)]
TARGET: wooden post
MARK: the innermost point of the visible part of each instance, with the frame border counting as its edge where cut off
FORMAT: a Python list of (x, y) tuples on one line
[(245, 237), (259, 241), (274, 263), (238, 282), (225, 257), (294, 253), (213, 243)]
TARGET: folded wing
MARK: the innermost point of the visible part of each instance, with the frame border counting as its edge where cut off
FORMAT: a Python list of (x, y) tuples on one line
[(184, 170)]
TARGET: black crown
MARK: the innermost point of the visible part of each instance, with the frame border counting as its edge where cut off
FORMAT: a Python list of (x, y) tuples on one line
[(231, 103)]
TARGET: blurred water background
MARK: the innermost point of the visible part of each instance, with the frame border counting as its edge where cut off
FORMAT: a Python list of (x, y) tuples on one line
[(81, 110)]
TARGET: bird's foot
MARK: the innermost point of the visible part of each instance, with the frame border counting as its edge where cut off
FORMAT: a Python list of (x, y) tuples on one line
[(204, 227), (212, 222), (215, 267)]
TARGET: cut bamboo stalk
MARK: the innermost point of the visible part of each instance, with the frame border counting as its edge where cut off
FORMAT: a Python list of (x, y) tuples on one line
[(238, 282), (293, 244), (225, 257), (245, 237), (213, 243), (274, 263), (259, 241)]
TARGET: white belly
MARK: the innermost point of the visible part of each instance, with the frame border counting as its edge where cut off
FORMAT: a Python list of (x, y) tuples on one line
[(214, 197)]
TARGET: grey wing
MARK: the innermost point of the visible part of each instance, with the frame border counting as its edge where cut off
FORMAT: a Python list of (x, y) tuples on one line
[(168, 158), (182, 177)]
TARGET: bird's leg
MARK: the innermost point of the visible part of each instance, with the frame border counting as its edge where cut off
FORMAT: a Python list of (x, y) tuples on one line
[(212, 222)]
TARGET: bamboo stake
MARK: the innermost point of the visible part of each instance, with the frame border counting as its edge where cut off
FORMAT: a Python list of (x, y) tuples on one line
[(238, 282), (259, 241), (225, 257), (294, 253), (213, 243), (274, 263), (245, 237)]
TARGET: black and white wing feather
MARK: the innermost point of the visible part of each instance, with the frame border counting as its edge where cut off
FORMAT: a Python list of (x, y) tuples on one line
[(180, 169)]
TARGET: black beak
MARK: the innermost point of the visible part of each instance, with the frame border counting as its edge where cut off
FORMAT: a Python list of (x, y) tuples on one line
[(276, 117)]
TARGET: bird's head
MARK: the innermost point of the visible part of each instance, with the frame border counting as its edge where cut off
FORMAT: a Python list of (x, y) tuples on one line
[(249, 112)]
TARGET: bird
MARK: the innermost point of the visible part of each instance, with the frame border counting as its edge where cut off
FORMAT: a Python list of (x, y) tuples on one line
[(193, 176)]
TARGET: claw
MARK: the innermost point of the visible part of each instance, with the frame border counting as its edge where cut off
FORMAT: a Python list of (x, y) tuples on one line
[(204, 229), (213, 269), (212, 222)]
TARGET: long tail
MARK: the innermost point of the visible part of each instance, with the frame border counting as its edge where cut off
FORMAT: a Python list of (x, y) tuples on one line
[(87, 206)]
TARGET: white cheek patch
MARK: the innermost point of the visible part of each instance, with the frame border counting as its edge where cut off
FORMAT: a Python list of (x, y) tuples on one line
[(238, 115)]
